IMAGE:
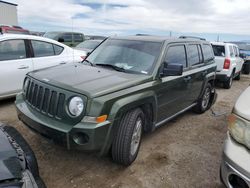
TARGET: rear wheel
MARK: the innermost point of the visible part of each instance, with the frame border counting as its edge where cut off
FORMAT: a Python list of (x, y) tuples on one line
[(227, 84), (238, 76), (204, 102), (127, 141)]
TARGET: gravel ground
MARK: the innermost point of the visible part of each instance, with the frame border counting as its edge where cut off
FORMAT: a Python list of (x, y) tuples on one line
[(186, 152)]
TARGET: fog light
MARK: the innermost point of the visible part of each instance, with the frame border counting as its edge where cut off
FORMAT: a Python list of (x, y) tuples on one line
[(80, 138)]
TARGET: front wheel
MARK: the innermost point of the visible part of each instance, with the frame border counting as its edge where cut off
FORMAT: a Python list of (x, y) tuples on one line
[(127, 141), (204, 102)]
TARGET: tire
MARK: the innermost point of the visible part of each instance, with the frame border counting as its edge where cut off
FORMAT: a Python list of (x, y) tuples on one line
[(204, 102), (40, 183), (247, 69), (227, 84), (127, 141), (238, 76), (29, 154)]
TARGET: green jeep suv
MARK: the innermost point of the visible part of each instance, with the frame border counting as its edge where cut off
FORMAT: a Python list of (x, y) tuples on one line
[(126, 87)]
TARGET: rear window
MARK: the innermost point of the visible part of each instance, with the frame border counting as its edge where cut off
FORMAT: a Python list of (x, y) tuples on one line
[(219, 50), (78, 37), (42, 49), (208, 53)]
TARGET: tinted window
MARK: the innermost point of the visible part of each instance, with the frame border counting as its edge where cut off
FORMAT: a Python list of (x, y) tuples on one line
[(78, 37), (12, 49), (208, 53), (176, 55), (219, 50), (42, 49), (193, 55), (67, 37), (132, 56), (58, 49)]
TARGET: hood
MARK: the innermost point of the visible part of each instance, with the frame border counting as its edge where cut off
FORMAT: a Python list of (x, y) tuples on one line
[(10, 167), (242, 105), (88, 80)]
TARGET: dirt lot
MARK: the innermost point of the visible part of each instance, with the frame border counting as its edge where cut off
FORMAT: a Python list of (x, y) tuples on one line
[(184, 153)]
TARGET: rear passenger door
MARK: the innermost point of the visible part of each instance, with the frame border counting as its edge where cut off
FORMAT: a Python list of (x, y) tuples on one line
[(47, 54), (14, 65), (238, 59)]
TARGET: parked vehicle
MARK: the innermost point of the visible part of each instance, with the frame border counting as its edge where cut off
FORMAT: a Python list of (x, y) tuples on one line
[(235, 166), (18, 164), (132, 85), (20, 54), (94, 37), (88, 45), (13, 29), (245, 51), (71, 39), (229, 63)]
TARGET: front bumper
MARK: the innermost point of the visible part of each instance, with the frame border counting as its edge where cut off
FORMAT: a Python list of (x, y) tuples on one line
[(235, 163), (82, 136)]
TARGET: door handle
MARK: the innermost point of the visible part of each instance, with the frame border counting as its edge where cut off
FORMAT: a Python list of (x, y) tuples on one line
[(187, 79), (62, 63), (23, 67)]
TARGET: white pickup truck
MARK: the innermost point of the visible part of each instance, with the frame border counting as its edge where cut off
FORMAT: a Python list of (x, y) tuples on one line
[(229, 63)]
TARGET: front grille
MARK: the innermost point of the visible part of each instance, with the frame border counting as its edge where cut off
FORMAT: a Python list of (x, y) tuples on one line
[(45, 99)]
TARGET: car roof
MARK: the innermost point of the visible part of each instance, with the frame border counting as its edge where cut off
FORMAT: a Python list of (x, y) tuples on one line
[(153, 38), (30, 37), (223, 43)]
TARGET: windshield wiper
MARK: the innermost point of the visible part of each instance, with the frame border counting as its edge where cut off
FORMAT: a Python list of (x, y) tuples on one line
[(89, 62), (120, 69)]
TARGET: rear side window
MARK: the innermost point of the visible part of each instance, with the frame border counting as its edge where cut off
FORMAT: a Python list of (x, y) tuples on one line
[(193, 55), (236, 52), (12, 49), (207, 52), (58, 49), (67, 37), (176, 55), (78, 37), (42, 49), (219, 50), (231, 51)]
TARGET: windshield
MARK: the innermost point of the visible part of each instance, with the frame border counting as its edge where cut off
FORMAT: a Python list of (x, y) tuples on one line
[(89, 44), (132, 56)]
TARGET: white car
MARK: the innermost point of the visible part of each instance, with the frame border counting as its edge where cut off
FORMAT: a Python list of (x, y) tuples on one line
[(229, 63), (20, 54)]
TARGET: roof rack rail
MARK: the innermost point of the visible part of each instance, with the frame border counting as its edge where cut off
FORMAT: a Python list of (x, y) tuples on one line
[(192, 37)]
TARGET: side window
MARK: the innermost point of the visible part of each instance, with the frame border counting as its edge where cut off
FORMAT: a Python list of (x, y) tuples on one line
[(78, 38), (193, 55), (42, 49), (58, 49), (176, 55), (67, 37), (236, 51), (207, 52), (231, 51), (12, 49)]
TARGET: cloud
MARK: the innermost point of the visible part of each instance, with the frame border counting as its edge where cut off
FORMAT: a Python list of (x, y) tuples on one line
[(123, 16)]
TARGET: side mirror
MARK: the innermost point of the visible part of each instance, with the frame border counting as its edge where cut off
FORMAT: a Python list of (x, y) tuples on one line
[(60, 39), (172, 69)]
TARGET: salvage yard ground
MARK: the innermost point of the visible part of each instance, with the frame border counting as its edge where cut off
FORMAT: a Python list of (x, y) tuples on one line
[(184, 153)]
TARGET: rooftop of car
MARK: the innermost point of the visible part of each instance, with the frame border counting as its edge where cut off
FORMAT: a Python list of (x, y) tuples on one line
[(153, 38)]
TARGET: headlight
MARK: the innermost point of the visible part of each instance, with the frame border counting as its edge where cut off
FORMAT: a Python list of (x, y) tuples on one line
[(76, 106), (239, 129)]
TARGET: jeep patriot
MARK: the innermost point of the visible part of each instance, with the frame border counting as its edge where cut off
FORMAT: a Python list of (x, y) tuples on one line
[(127, 86)]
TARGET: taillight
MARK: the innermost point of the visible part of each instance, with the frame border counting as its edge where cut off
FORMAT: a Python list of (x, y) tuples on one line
[(83, 57), (226, 64)]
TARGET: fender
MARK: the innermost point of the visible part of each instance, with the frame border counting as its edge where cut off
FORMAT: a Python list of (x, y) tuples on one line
[(209, 77), (122, 106)]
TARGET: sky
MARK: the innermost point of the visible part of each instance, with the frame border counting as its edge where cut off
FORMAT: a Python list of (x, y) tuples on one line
[(228, 19)]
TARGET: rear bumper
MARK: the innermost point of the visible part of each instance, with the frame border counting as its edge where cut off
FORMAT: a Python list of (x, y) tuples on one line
[(82, 136), (222, 77), (235, 162)]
